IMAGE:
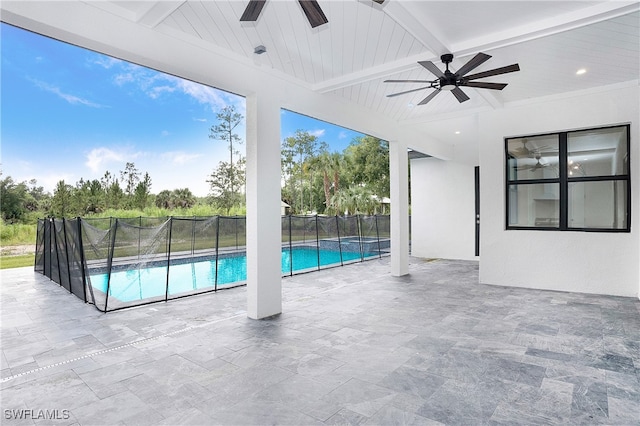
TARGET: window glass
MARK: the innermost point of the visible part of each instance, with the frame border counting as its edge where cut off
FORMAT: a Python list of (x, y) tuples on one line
[(534, 205), (599, 204), (598, 152), (533, 158)]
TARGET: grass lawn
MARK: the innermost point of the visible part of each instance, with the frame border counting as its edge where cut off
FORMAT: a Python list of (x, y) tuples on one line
[(7, 262)]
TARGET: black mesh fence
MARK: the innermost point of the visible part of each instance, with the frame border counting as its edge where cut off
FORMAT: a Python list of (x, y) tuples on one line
[(115, 263)]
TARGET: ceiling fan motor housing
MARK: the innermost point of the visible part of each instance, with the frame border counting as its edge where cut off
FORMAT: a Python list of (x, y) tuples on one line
[(447, 58)]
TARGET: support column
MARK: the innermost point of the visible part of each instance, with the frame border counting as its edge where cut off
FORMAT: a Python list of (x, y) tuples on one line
[(399, 181), (264, 277)]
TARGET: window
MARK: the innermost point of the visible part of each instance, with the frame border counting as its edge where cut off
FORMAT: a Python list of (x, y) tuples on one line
[(569, 181)]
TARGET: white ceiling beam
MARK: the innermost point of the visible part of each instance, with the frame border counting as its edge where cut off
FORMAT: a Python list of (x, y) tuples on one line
[(546, 27), (158, 12), (396, 11), (369, 74)]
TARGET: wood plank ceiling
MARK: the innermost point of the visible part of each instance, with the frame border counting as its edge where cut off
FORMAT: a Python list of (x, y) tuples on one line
[(365, 43)]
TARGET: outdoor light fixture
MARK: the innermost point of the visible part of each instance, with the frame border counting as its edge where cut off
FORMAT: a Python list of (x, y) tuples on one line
[(259, 50)]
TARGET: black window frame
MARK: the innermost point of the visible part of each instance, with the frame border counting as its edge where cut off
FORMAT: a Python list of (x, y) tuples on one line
[(563, 180)]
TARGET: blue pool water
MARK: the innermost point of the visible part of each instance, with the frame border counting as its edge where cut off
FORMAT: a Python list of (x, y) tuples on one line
[(139, 284)]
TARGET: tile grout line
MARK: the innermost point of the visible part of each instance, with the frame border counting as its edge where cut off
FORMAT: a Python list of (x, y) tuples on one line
[(126, 345), (147, 339)]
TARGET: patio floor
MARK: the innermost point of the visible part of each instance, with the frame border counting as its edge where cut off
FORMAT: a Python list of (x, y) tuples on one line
[(354, 345)]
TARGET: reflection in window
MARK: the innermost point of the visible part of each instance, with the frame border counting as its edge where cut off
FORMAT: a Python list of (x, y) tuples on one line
[(600, 152), (534, 205), (599, 204), (569, 180), (533, 158)]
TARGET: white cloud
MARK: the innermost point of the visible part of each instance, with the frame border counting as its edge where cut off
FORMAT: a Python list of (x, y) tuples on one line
[(202, 120), (164, 133), (105, 61), (157, 91), (201, 93), (342, 135), (179, 157), (317, 132), (72, 99), (97, 158), (155, 85)]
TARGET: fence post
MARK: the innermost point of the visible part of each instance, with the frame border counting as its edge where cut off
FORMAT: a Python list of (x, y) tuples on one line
[(66, 251), (139, 236), (339, 242), (35, 256), (235, 225), (110, 262), (317, 241), (82, 260), (360, 236), (290, 250), (193, 236), (50, 255), (55, 236), (215, 287), (166, 294), (378, 236)]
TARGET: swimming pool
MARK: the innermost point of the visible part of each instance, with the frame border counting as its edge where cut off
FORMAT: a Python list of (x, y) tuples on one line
[(151, 282)]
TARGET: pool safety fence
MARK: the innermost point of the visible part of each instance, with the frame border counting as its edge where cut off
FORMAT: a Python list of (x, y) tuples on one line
[(116, 263)]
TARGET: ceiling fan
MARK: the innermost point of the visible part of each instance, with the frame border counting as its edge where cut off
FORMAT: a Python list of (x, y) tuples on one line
[(451, 81), (533, 167), (311, 8), (531, 151)]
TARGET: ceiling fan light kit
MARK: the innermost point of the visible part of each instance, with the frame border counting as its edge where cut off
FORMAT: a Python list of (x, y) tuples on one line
[(451, 82)]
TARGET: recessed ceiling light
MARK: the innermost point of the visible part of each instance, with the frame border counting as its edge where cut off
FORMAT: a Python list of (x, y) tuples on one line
[(581, 71), (457, 132)]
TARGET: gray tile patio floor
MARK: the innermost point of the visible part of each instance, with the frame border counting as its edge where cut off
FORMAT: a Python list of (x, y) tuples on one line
[(354, 345)]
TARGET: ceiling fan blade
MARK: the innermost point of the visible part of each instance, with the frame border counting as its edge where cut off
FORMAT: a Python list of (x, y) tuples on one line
[(252, 12), (497, 71), (407, 91), (432, 68), (460, 95), (379, 1), (482, 85), (314, 13), (473, 63), (408, 81), (428, 98)]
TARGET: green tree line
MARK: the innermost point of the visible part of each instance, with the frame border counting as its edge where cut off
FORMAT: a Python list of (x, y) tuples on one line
[(314, 180)]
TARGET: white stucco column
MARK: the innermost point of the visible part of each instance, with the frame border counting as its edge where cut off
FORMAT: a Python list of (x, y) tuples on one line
[(399, 181), (264, 276)]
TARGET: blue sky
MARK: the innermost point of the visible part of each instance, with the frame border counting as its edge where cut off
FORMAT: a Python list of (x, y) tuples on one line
[(69, 113)]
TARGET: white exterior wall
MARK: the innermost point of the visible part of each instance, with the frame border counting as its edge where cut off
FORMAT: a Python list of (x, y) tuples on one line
[(588, 262), (442, 209)]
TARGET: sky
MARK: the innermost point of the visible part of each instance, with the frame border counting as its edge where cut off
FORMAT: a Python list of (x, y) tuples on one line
[(68, 113)]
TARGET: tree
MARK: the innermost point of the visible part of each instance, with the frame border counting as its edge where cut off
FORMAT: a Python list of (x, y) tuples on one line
[(130, 177), (13, 197), (61, 202), (183, 198), (142, 192), (221, 184), (228, 121), (95, 197), (115, 195), (369, 164), (295, 152), (164, 199)]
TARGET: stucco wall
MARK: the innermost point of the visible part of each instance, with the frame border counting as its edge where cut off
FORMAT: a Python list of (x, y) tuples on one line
[(442, 196), (604, 263), (442, 209)]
